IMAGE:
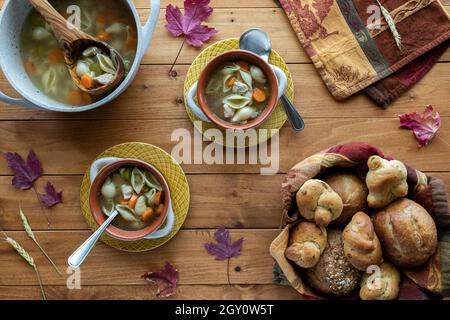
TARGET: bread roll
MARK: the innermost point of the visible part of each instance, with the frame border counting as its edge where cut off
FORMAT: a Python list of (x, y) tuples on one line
[(353, 192), (407, 233), (333, 274), (361, 245), (386, 181), (307, 242), (316, 201), (381, 284)]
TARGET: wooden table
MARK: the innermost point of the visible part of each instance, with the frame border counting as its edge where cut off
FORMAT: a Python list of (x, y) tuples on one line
[(235, 197)]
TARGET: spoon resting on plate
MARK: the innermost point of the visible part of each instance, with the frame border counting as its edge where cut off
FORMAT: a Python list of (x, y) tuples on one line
[(257, 41), (79, 255), (74, 43)]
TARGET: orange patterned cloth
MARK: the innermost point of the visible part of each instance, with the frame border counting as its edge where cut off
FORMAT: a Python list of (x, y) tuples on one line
[(425, 190), (352, 46)]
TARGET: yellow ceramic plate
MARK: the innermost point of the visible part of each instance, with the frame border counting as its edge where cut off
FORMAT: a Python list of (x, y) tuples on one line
[(275, 121), (175, 177)]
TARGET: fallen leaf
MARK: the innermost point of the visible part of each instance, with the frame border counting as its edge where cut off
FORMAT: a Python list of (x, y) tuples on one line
[(25, 173), (424, 125), (190, 24), (224, 248), (51, 197), (166, 280)]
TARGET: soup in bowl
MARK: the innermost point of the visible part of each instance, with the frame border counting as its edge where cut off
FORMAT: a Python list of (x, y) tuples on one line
[(237, 90), (32, 62), (140, 194)]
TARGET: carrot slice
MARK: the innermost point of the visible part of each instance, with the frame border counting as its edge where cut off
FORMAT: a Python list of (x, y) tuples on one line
[(104, 36), (101, 19), (158, 198), (87, 81), (160, 209), (30, 67), (74, 98), (132, 201), (147, 215), (230, 82), (244, 65), (259, 95), (55, 56)]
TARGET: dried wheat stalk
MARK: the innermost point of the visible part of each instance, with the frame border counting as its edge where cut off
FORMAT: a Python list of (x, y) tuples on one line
[(391, 23), (30, 233), (24, 254)]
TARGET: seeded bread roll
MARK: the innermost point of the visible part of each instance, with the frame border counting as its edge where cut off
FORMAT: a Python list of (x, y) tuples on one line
[(333, 274), (353, 192), (307, 242), (407, 233)]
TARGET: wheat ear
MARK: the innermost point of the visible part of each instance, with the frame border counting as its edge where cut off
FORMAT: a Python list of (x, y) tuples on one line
[(30, 233), (24, 254), (391, 23)]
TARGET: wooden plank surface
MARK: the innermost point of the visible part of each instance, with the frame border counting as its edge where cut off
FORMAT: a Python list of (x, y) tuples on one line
[(154, 95), (108, 266), (146, 292), (252, 201), (66, 147)]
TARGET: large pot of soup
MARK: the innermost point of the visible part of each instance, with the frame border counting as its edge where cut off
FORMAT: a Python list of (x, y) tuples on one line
[(32, 61)]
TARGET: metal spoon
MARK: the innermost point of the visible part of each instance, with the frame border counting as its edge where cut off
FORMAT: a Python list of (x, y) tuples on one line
[(258, 42), (73, 42), (79, 255)]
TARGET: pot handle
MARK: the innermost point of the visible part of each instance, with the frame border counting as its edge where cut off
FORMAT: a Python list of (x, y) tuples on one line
[(170, 220), (98, 164), (149, 27), (18, 102), (192, 93)]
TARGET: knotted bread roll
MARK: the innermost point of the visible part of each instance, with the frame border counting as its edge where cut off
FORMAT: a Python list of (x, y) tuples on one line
[(316, 201), (386, 181), (382, 284), (307, 242), (361, 245)]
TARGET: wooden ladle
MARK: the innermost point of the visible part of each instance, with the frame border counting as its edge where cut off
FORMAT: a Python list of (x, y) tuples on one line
[(73, 42)]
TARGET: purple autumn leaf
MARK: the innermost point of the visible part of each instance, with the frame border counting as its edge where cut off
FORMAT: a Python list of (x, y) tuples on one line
[(51, 197), (165, 280), (424, 125), (190, 24), (224, 248), (25, 173)]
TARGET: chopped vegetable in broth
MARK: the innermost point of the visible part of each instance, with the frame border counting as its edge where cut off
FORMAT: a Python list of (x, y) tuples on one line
[(44, 62), (136, 194), (238, 92)]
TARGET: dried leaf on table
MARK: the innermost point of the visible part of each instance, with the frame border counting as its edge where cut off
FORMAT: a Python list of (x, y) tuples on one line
[(190, 24), (424, 125), (224, 248), (51, 197), (165, 280), (25, 173)]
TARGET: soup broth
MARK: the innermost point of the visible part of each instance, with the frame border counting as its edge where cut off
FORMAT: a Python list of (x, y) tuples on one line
[(136, 194), (43, 59), (238, 92)]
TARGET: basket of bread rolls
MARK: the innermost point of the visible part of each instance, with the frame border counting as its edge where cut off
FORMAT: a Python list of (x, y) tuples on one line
[(359, 224)]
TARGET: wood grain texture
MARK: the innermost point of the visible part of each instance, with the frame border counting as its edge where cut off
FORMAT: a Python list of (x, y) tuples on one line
[(66, 147), (146, 292), (154, 95), (108, 266), (252, 201)]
